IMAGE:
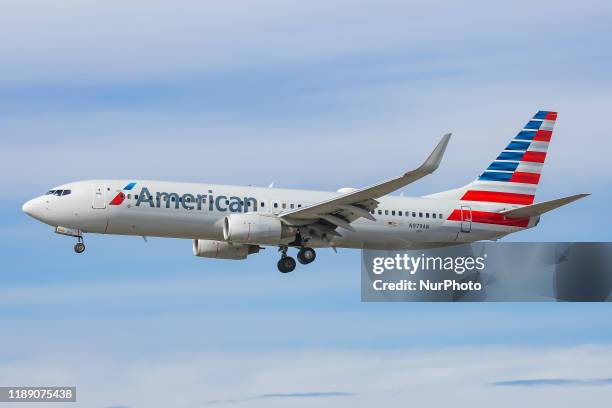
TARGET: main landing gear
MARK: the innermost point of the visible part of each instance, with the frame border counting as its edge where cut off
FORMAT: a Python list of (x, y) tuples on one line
[(306, 255), (287, 264)]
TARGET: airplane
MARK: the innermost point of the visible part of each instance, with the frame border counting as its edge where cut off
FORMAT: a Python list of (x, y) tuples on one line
[(233, 222)]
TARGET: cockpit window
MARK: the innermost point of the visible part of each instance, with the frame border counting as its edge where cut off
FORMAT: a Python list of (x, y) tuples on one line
[(58, 192)]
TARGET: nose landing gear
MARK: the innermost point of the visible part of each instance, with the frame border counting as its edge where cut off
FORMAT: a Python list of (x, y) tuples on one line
[(79, 247)]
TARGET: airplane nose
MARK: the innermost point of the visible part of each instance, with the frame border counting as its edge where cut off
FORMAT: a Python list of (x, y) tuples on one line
[(33, 208), (28, 208)]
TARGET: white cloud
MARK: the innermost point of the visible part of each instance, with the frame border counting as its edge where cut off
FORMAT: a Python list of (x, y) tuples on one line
[(336, 152), (208, 91), (142, 39), (432, 377), (356, 93)]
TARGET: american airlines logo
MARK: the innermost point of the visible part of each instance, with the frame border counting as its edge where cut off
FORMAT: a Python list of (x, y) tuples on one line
[(120, 197), (198, 202)]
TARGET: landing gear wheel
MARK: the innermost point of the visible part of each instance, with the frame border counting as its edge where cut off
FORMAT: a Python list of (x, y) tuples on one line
[(286, 264), (306, 255), (79, 247)]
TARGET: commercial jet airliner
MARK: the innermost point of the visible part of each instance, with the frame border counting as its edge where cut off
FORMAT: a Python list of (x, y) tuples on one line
[(232, 222)]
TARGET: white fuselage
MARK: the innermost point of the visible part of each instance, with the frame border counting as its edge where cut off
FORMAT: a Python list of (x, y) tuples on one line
[(197, 211)]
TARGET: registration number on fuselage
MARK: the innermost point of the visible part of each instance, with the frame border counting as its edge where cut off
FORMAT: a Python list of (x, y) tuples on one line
[(418, 226)]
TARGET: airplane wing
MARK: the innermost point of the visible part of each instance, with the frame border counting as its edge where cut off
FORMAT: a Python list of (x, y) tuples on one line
[(340, 211), (541, 208)]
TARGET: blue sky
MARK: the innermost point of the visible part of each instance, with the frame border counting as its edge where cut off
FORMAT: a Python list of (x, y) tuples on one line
[(308, 95)]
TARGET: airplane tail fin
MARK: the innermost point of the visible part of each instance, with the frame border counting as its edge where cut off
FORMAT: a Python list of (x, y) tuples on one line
[(513, 177)]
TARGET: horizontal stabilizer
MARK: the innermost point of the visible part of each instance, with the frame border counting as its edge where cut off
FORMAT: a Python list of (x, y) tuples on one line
[(541, 208)]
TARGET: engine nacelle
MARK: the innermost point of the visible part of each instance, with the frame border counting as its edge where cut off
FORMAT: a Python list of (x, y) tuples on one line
[(254, 228), (222, 250)]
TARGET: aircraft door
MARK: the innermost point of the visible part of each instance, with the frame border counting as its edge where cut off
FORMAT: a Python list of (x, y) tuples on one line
[(99, 197), (466, 218)]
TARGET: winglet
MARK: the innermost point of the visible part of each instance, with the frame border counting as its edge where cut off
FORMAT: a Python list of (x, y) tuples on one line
[(433, 161)]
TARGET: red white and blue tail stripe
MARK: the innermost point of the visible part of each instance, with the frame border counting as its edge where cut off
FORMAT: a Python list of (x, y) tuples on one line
[(514, 175)]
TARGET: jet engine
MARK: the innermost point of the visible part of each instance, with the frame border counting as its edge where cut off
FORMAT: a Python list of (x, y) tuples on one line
[(255, 229), (222, 250)]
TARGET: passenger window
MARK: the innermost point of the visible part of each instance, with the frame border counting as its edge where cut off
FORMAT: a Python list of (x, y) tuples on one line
[(420, 215), (379, 212), (426, 215), (173, 199), (129, 196), (284, 205), (393, 212), (407, 213), (291, 206), (275, 205), (386, 212), (399, 213), (440, 216), (263, 204), (433, 215), (299, 205), (413, 214), (136, 196)]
